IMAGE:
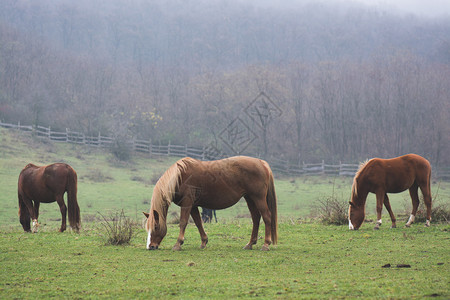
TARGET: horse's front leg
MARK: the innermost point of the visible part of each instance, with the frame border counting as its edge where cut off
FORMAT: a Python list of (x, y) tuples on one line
[(380, 200), (387, 204), (35, 216), (31, 212), (184, 219), (198, 222)]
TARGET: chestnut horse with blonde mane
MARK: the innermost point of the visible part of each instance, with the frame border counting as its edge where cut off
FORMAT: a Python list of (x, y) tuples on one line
[(382, 176), (48, 184), (190, 183)]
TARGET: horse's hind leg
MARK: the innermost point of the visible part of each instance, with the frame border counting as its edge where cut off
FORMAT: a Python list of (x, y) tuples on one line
[(263, 209), (415, 203), (426, 192), (63, 209), (387, 204), (198, 222), (256, 218)]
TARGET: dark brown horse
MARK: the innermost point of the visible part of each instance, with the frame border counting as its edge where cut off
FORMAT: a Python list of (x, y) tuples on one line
[(48, 184), (382, 176), (219, 184)]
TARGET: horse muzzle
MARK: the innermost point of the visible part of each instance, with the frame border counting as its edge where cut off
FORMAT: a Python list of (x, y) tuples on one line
[(350, 226), (152, 248)]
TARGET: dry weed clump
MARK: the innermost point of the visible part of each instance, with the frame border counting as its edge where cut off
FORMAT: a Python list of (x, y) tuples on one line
[(119, 229), (332, 211)]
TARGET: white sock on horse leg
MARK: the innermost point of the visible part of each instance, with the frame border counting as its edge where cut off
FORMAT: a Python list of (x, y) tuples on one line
[(410, 220)]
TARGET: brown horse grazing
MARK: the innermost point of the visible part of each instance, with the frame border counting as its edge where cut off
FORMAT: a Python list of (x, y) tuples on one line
[(219, 184), (48, 184), (382, 176)]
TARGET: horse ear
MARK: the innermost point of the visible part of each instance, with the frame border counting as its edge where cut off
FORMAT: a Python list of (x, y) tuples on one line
[(146, 214)]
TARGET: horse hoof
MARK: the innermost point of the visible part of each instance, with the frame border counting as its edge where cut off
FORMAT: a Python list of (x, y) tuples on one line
[(376, 227), (176, 248), (34, 229), (407, 225), (202, 246), (248, 247), (394, 226), (265, 248)]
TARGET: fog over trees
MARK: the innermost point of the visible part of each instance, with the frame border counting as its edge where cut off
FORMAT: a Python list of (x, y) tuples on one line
[(339, 82)]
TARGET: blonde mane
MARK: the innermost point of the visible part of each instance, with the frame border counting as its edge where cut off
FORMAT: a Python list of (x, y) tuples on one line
[(355, 179), (165, 189)]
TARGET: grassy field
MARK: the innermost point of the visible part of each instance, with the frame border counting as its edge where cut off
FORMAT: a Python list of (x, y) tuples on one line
[(311, 260)]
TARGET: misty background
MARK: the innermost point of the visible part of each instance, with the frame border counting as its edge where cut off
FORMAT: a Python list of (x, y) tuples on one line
[(347, 80)]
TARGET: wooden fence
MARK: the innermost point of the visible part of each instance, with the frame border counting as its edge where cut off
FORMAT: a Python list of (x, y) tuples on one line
[(203, 153)]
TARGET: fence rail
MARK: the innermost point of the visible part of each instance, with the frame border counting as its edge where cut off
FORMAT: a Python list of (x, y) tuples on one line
[(278, 165)]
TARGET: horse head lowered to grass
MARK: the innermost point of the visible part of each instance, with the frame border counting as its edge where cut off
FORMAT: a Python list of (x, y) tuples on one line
[(190, 183), (382, 176), (48, 184)]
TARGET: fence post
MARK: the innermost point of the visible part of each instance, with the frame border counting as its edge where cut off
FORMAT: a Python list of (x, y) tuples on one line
[(150, 147)]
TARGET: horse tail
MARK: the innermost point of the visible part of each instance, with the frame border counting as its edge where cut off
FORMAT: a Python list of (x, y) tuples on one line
[(73, 208), (429, 182), (272, 204)]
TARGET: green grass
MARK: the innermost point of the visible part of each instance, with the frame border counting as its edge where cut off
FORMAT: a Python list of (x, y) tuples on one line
[(311, 260)]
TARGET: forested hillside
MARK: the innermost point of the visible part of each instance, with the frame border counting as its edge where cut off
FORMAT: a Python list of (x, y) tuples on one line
[(311, 81)]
